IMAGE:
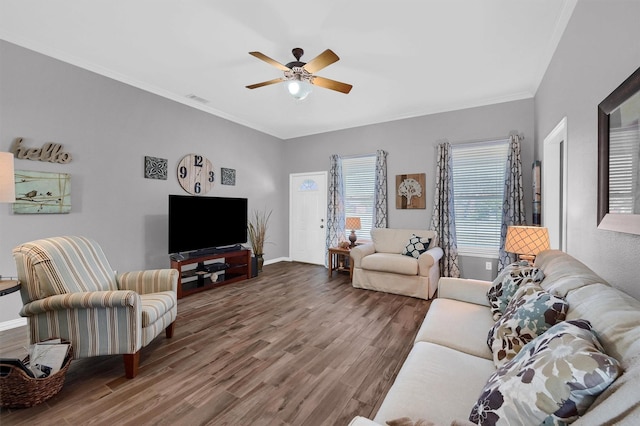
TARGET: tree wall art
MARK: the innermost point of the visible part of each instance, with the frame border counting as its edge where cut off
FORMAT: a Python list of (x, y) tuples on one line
[(410, 191)]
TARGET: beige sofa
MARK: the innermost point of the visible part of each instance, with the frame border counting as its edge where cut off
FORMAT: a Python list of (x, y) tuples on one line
[(380, 265), (450, 362)]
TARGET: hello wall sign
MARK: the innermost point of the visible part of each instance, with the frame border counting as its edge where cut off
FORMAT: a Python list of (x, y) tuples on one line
[(50, 152)]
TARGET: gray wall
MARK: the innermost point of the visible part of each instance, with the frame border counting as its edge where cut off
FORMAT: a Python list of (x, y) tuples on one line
[(109, 127), (599, 50), (411, 144)]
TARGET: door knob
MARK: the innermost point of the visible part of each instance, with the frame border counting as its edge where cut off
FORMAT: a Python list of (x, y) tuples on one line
[(321, 226)]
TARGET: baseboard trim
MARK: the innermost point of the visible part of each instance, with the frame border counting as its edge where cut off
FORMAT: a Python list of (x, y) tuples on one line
[(277, 259), (8, 325)]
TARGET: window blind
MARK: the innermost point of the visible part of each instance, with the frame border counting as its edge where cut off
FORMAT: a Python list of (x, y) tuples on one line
[(359, 174), (478, 191), (624, 144)]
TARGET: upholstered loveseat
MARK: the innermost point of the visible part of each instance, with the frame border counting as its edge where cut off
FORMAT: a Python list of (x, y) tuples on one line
[(448, 369), (382, 266)]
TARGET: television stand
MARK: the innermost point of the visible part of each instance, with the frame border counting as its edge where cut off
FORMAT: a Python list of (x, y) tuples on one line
[(211, 270), (214, 250)]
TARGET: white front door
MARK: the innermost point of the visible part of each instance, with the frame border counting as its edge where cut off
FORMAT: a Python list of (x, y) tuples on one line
[(308, 217)]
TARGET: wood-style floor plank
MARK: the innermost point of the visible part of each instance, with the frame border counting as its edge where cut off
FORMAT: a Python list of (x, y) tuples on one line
[(290, 347)]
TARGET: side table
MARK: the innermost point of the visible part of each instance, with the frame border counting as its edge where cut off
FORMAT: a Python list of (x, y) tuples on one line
[(339, 260), (9, 286)]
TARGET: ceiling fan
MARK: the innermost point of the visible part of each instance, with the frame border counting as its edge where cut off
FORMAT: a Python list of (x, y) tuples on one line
[(299, 76)]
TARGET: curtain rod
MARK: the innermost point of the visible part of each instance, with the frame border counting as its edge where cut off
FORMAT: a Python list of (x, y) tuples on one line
[(358, 155), (485, 140)]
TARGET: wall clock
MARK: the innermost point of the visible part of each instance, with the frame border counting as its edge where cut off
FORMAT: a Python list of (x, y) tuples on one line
[(195, 174)]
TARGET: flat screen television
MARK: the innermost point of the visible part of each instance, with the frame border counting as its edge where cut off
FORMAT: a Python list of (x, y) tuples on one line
[(199, 223)]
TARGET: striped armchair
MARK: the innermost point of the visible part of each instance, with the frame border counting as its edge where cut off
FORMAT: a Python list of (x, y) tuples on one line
[(70, 291)]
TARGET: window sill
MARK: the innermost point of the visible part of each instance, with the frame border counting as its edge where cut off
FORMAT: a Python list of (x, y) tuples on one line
[(478, 252)]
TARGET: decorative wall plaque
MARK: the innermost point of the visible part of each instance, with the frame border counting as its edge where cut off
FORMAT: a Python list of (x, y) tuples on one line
[(155, 168), (228, 176), (42, 192), (410, 191), (51, 152)]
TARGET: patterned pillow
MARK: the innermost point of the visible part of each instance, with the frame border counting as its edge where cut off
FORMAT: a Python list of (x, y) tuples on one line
[(510, 267), (497, 282), (553, 379), (531, 312), (503, 290), (416, 246)]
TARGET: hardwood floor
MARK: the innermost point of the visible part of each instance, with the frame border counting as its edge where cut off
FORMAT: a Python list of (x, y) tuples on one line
[(290, 347)]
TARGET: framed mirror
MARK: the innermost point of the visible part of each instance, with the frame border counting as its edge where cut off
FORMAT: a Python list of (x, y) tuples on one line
[(619, 158)]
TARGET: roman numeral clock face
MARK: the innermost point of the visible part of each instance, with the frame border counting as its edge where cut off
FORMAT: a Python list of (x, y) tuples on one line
[(195, 174)]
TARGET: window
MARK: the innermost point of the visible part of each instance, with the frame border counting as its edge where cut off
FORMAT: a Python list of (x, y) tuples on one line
[(359, 174), (623, 169), (308, 185), (478, 191)]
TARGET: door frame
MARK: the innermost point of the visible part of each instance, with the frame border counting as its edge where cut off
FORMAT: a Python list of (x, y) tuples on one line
[(325, 175), (555, 166)]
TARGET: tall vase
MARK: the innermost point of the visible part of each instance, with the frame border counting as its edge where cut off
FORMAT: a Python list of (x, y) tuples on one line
[(260, 258)]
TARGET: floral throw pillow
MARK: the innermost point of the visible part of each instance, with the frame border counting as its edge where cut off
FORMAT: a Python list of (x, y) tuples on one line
[(416, 246), (531, 312), (553, 379), (510, 267), (497, 282), (502, 290)]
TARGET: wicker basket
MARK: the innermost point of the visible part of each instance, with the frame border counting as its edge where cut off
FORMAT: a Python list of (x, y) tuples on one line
[(18, 390)]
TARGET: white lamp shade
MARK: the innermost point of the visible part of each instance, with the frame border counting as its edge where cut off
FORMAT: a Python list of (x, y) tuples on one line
[(7, 178), (526, 240)]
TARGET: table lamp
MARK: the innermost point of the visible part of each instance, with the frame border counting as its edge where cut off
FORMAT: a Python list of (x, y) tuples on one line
[(7, 185), (7, 178), (526, 241), (353, 223)]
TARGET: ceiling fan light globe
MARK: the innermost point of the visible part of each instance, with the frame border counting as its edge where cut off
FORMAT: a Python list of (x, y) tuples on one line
[(298, 89)]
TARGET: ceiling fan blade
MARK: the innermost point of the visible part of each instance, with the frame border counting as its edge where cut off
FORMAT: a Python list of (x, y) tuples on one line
[(324, 59), (269, 60), (332, 84), (265, 83)]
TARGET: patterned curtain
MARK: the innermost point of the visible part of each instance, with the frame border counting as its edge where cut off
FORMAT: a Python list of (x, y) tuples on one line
[(335, 205), (443, 219), (380, 199), (513, 203)]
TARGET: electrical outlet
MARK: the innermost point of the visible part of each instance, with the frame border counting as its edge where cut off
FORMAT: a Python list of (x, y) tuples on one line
[(488, 266)]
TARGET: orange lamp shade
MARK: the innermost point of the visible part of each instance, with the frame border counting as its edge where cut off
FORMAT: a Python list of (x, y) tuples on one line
[(353, 223), (526, 240)]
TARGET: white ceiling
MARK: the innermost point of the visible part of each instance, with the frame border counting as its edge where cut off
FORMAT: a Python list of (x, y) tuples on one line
[(404, 58)]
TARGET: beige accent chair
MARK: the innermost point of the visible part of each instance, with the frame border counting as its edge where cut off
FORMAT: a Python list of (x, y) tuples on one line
[(69, 290), (380, 265)]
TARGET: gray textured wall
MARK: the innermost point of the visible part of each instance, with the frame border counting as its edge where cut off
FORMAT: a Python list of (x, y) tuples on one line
[(600, 48), (411, 144), (109, 127)]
